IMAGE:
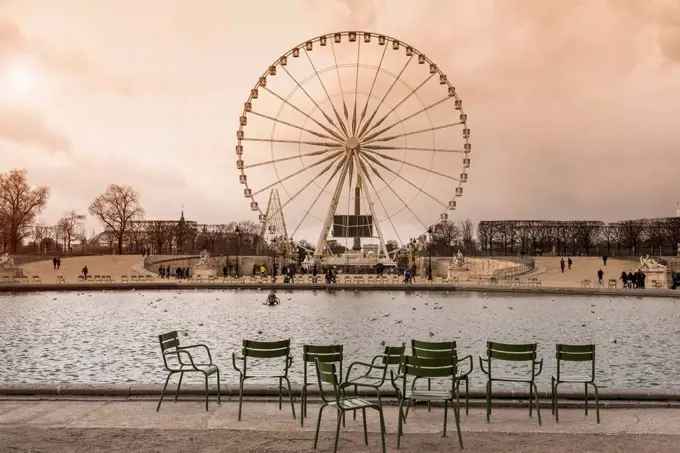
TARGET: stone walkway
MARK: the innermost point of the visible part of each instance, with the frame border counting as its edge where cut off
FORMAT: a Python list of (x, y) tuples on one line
[(109, 425), (113, 265)]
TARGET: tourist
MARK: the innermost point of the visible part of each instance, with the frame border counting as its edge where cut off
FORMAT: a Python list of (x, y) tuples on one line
[(263, 271), (161, 272), (631, 280), (54, 262), (600, 274), (168, 271), (604, 259), (643, 277), (58, 263), (624, 279), (85, 272), (224, 271), (562, 264), (314, 274), (569, 262), (675, 280), (407, 275)]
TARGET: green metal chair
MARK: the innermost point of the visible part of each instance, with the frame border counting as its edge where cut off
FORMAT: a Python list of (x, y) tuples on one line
[(393, 355), (311, 353), (264, 350), (575, 353), (171, 349), (427, 368), (430, 349), (512, 353), (326, 372)]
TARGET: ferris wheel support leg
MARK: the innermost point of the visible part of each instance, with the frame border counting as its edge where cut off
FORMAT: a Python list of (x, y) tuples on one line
[(321, 243), (383, 247)]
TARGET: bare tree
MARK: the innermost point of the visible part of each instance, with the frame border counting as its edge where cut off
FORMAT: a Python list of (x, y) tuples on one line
[(115, 208), (466, 229), (633, 233), (445, 236), (588, 232), (19, 205), (69, 227), (656, 234), (37, 234), (160, 234), (672, 225), (136, 236)]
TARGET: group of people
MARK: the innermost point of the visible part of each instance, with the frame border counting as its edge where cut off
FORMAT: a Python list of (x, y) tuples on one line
[(410, 274), (633, 280), (56, 261), (568, 263), (179, 273)]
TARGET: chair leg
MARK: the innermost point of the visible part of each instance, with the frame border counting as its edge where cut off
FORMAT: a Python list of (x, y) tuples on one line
[(280, 391), (531, 398), (488, 401), (290, 395), (446, 414), (163, 392), (303, 405), (552, 395), (456, 414), (240, 397), (538, 408), (206, 392), (363, 415), (179, 384), (555, 405), (597, 402), (219, 401), (402, 417), (429, 388), (356, 395), (467, 396), (585, 392), (382, 425), (318, 425), (337, 432)]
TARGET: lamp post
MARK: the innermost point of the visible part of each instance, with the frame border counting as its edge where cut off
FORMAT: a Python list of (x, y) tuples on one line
[(429, 253), (238, 248)]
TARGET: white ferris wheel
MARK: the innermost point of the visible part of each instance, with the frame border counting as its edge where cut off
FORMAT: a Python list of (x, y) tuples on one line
[(362, 138)]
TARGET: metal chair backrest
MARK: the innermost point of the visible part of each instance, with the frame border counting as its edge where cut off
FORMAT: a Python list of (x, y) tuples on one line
[(428, 368), (323, 353), (575, 353), (266, 350), (169, 343), (433, 350), (326, 372), (509, 352), (394, 355)]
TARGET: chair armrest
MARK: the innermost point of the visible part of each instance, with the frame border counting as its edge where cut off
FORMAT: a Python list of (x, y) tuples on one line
[(394, 378), (289, 361), (234, 358), (468, 358), (371, 366), (198, 346), (540, 366), (181, 352), (482, 359)]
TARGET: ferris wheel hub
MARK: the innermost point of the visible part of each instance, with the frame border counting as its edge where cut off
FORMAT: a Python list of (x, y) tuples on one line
[(352, 144)]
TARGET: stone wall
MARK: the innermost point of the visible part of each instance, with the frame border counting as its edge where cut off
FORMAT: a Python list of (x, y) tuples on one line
[(154, 262)]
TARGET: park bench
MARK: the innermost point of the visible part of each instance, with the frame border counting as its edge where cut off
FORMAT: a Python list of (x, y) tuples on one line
[(585, 283), (124, 279), (61, 280), (37, 280), (612, 283)]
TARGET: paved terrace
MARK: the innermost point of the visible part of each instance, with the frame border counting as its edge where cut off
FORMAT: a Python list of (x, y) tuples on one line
[(88, 425)]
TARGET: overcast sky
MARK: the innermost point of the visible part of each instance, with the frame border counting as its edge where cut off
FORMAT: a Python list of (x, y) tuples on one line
[(574, 106)]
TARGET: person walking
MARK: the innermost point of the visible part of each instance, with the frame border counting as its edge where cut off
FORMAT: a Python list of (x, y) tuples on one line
[(562, 264), (54, 263), (600, 274), (85, 271), (604, 259), (624, 279), (58, 263), (569, 262)]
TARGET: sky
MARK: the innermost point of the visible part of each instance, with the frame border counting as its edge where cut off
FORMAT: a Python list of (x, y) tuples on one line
[(574, 106)]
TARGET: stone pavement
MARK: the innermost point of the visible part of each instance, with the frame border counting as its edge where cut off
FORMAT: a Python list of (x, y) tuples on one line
[(110, 425), (71, 267), (583, 267)]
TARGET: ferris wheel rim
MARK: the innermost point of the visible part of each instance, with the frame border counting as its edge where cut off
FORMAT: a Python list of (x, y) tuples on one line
[(358, 35)]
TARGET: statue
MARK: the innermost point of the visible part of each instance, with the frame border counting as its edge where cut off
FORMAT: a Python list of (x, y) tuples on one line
[(272, 300), (204, 260), (7, 262), (648, 263), (459, 260)]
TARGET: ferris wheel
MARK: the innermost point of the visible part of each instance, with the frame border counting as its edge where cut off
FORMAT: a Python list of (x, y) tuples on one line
[(361, 136)]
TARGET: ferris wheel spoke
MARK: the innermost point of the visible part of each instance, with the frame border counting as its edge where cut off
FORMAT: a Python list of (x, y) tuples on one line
[(356, 89), (307, 185), (427, 170), (419, 189), (338, 166), (362, 167), (434, 150), (342, 92), (283, 159), (295, 142), (337, 116), (315, 164), (276, 120), (406, 134), (423, 110), (328, 118), (322, 243), (337, 136), (414, 91), (375, 77), (375, 111), (377, 173)]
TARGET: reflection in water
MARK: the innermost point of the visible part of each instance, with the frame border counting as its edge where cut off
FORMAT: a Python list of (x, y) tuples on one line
[(111, 337)]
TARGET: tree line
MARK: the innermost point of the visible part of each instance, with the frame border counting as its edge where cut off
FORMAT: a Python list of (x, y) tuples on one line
[(658, 236)]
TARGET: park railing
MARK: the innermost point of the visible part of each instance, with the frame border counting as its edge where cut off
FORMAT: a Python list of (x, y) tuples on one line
[(523, 266)]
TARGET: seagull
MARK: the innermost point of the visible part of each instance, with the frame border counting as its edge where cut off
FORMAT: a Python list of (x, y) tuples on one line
[(431, 334)]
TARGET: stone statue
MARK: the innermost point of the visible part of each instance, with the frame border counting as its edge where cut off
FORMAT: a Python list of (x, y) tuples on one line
[(648, 263), (204, 260), (459, 260), (7, 262)]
